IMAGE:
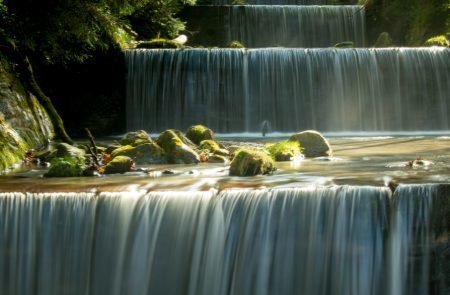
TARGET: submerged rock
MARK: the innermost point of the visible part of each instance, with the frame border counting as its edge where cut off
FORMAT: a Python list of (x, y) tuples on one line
[(250, 163), (217, 159), (313, 144), (135, 138), (177, 151), (198, 133), (147, 153), (119, 164)]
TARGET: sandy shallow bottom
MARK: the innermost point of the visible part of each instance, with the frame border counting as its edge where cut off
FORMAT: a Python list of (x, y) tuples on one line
[(356, 161)]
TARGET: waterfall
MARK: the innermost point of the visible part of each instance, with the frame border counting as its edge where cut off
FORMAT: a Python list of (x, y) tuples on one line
[(335, 240), (277, 25), (276, 2), (295, 26), (329, 89)]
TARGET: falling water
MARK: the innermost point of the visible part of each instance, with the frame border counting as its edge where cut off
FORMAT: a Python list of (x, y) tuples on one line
[(336, 240), (294, 26), (276, 2), (329, 89)]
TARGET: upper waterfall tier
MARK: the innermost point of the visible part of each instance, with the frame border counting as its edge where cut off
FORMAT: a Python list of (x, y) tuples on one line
[(232, 90), (258, 26), (277, 2)]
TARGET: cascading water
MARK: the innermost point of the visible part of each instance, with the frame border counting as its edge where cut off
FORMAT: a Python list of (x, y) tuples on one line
[(338, 240), (296, 26), (232, 90), (277, 2), (277, 25)]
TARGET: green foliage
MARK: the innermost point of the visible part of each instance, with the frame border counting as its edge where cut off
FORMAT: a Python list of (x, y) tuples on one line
[(159, 43), (235, 44), (284, 150), (384, 40), (438, 41), (409, 22), (65, 167), (66, 31), (239, 2)]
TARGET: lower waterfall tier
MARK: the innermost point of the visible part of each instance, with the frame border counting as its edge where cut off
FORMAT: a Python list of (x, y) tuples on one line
[(234, 90), (332, 240)]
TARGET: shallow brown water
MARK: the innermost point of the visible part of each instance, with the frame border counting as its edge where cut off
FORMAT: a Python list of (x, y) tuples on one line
[(356, 161)]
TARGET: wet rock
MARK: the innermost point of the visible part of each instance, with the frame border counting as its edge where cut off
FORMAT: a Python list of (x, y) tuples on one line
[(218, 159), (65, 167), (313, 144), (111, 148), (177, 151), (147, 153), (65, 150), (135, 138), (222, 152), (168, 172), (119, 164), (251, 162), (198, 133), (209, 145)]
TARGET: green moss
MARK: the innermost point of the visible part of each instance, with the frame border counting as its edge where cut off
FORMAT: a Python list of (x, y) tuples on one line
[(209, 145), (384, 40), (159, 43), (235, 44), (147, 153), (65, 167), (344, 44), (198, 133), (250, 163), (438, 41), (119, 164), (284, 150), (177, 152), (135, 138)]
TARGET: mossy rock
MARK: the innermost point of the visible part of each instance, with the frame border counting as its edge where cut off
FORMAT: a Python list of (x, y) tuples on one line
[(217, 159), (112, 147), (136, 138), (158, 43), (210, 145), (65, 150), (438, 41), (384, 40), (177, 152), (198, 133), (222, 152), (250, 163), (147, 153), (119, 164), (284, 150), (348, 44), (235, 44), (65, 167), (313, 144)]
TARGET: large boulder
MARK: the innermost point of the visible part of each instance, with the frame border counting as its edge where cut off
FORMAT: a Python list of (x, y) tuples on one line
[(250, 163), (64, 150), (177, 151), (65, 167), (119, 164), (146, 153), (198, 133), (313, 144), (135, 138)]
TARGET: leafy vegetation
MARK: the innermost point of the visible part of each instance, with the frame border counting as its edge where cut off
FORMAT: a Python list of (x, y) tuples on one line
[(66, 167)]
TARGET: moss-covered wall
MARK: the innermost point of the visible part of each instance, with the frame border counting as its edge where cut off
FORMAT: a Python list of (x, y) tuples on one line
[(409, 22), (24, 124)]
